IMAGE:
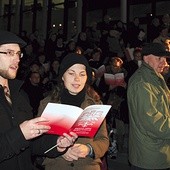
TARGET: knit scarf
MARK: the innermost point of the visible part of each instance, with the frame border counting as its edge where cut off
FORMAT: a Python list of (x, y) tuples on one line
[(75, 100)]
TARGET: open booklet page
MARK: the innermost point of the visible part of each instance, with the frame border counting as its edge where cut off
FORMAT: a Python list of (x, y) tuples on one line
[(65, 118), (129, 53), (100, 71), (114, 79)]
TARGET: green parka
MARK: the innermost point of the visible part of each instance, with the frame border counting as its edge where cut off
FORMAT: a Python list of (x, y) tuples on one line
[(149, 116)]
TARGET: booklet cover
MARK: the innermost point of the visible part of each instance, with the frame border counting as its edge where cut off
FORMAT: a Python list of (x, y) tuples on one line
[(114, 79), (65, 118)]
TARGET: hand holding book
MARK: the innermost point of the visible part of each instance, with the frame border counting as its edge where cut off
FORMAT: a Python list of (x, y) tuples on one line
[(64, 118), (64, 141)]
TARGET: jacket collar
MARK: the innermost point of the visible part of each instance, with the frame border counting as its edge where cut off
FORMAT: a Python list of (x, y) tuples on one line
[(14, 86), (153, 72)]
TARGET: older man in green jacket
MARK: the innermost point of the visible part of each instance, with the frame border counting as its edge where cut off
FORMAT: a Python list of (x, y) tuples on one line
[(149, 112)]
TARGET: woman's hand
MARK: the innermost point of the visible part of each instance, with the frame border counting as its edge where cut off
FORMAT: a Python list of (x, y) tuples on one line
[(76, 151), (66, 140)]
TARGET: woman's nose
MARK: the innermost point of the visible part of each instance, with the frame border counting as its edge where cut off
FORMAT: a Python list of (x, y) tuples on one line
[(77, 77)]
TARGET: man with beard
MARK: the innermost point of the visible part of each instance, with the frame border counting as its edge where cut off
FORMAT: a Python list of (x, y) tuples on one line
[(17, 128)]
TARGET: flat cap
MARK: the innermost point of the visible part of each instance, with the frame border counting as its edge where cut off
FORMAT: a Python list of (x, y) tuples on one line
[(155, 49)]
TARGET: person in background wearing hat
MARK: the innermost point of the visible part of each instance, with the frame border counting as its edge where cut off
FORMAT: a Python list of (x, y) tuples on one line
[(149, 112), (17, 128), (75, 76)]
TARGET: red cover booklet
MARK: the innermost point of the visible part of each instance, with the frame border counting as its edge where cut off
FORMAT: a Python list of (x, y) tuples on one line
[(65, 118)]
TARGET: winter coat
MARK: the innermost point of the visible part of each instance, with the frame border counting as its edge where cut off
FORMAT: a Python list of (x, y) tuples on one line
[(149, 116), (99, 143), (15, 150)]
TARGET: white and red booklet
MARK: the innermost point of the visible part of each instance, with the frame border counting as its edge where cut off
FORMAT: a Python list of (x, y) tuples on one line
[(64, 118), (114, 79)]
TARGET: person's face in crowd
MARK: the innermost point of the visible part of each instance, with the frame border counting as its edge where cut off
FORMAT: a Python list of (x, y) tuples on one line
[(136, 21), (120, 24), (116, 65), (41, 58), (141, 35), (166, 19), (60, 41), (29, 49), (75, 78), (60, 31), (156, 22), (53, 37), (116, 62), (156, 62), (32, 37), (35, 68), (96, 56), (107, 18), (55, 65), (79, 50), (164, 32), (166, 69), (167, 44), (94, 25), (138, 56), (72, 45), (83, 36), (35, 79), (9, 62)]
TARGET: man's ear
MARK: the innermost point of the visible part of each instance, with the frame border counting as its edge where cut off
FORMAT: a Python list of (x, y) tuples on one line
[(145, 59)]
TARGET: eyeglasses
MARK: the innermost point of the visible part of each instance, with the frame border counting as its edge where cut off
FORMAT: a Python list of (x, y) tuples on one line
[(11, 53)]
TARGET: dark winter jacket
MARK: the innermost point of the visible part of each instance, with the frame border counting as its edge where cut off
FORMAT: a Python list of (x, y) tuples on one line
[(15, 150)]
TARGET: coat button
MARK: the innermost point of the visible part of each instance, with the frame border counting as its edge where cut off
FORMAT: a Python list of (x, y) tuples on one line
[(22, 149), (72, 164)]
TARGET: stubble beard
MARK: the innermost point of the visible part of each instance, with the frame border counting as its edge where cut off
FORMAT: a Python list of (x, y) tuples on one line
[(6, 75)]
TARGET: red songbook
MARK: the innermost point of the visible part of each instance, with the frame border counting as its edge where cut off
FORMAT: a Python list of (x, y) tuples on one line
[(64, 118)]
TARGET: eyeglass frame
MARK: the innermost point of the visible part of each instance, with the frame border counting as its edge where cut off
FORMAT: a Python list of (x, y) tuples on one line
[(11, 53)]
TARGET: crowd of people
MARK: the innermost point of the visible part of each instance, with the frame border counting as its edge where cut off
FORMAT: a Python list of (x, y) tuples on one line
[(97, 67)]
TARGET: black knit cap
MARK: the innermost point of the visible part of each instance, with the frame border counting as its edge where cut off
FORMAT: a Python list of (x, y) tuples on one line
[(71, 59), (9, 37)]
